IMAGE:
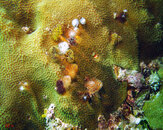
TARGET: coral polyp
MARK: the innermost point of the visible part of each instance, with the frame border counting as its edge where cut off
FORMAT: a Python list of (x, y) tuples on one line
[(62, 52), (57, 32), (93, 85)]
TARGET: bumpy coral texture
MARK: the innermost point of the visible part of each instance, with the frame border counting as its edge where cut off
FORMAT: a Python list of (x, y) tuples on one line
[(26, 56)]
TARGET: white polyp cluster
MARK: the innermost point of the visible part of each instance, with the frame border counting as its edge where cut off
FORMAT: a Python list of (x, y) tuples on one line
[(114, 15), (122, 74), (21, 88), (44, 97), (25, 84), (25, 29), (83, 21), (76, 29), (125, 10), (134, 120), (50, 111), (85, 97), (63, 47), (75, 22), (52, 106), (72, 33)]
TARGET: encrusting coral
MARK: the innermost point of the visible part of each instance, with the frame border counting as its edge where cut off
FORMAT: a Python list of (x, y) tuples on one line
[(70, 46)]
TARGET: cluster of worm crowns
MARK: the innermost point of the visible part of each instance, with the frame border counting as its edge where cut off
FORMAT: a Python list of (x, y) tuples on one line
[(68, 38), (121, 17), (65, 55)]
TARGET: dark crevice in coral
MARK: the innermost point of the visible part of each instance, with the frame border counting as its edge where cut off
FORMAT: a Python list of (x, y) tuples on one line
[(151, 52), (155, 8)]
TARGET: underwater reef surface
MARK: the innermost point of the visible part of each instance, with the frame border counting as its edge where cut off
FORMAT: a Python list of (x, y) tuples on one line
[(62, 59)]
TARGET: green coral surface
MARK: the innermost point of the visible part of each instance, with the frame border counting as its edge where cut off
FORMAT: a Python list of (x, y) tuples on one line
[(26, 57), (153, 111)]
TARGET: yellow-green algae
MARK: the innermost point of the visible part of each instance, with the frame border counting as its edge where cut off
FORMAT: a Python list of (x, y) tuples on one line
[(27, 57)]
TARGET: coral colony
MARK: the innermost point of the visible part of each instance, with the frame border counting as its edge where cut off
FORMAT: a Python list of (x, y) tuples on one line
[(74, 64)]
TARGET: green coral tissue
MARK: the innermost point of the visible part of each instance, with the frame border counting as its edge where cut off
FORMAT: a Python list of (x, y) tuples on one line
[(62, 52)]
